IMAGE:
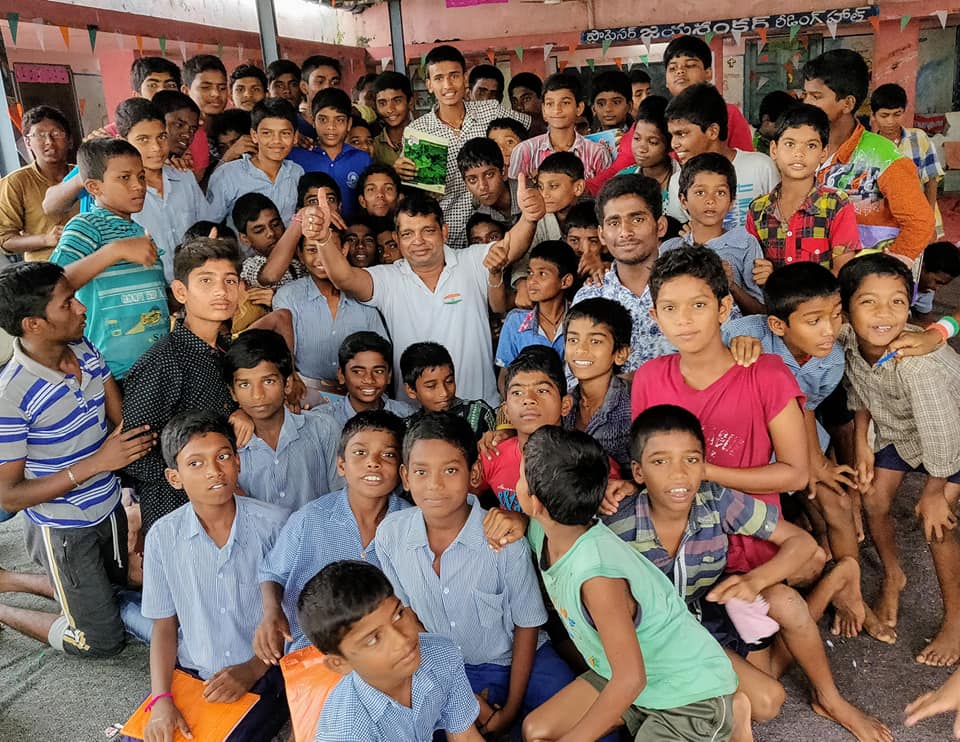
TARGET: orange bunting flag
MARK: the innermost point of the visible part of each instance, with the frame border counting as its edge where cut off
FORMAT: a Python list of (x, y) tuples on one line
[(140, 44), (563, 64), (492, 56), (875, 22), (619, 62), (65, 33)]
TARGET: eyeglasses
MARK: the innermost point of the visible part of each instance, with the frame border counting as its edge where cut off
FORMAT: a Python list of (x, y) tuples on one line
[(41, 136)]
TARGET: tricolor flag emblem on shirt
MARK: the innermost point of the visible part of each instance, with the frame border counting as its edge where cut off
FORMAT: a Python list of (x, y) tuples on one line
[(452, 299)]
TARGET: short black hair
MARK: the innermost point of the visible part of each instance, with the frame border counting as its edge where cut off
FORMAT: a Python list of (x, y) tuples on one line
[(364, 341), (582, 215), (168, 101), (420, 357), (444, 53), (363, 81), (248, 207), (248, 70), (486, 72), (855, 272), (253, 347), (690, 261), (317, 180), (202, 229), (273, 108), (631, 184), (663, 418), (132, 111), (282, 67), (942, 257), (702, 105), (318, 60), (337, 597), (94, 155), (538, 358), (526, 80), (184, 427), (201, 63), (559, 253), (196, 252), (639, 77), (791, 285), (419, 204), (652, 110), (563, 81), (505, 122), (377, 168), (25, 291), (564, 163), (479, 217), (479, 152), (707, 162), (35, 115), (391, 80), (371, 420), (843, 71), (233, 119), (143, 67), (371, 126), (688, 46), (775, 104), (613, 81), (567, 471), (441, 426), (889, 96), (334, 98), (803, 114), (612, 314)]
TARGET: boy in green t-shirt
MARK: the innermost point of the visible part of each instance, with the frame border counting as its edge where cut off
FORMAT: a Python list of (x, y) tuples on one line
[(652, 666)]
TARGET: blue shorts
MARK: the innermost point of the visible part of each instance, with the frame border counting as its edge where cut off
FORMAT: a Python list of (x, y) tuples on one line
[(549, 675), (888, 458)]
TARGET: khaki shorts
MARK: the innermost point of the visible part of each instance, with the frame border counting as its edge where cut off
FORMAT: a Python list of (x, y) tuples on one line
[(704, 721)]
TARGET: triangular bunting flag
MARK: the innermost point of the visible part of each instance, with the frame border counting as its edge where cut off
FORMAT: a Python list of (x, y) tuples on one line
[(904, 20), (709, 36), (940, 14), (619, 62), (65, 33), (40, 41), (163, 46), (591, 63), (140, 44), (648, 45), (737, 35), (220, 49), (384, 63), (605, 47), (547, 48), (762, 33), (92, 33), (875, 22), (183, 50), (491, 55), (794, 30), (832, 28), (761, 81), (644, 60), (519, 51), (13, 19), (563, 64)]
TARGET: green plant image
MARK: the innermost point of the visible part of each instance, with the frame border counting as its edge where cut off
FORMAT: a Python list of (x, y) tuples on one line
[(430, 159)]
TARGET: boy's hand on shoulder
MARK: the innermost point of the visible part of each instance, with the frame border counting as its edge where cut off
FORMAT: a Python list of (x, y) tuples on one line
[(913, 343), (746, 350), (243, 146), (762, 268), (268, 640), (140, 250), (121, 448), (53, 235), (261, 295), (617, 489), (487, 445), (183, 163), (243, 427), (232, 682), (165, 720), (298, 390), (503, 527), (735, 586)]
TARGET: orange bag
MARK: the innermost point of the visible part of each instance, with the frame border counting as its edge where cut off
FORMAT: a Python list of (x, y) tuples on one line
[(309, 681), (210, 722)]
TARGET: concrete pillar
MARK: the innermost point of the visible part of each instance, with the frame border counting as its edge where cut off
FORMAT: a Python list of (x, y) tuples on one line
[(896, 59)]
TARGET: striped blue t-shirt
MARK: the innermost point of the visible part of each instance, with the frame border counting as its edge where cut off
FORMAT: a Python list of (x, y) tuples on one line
[(51, 420)]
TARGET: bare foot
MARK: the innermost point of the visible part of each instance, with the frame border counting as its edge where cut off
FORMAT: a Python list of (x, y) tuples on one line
[(865, 728), (851, 611), (944, 650), (888, 604), (877, 628)]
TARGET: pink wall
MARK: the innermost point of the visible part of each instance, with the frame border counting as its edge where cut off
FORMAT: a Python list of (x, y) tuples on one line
[(115, 73), (896, 58)]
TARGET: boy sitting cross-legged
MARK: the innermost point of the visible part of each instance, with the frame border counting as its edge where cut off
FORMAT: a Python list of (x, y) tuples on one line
[(340, 525), (197, 587), (437, 557), (652, 666), (399, 684)]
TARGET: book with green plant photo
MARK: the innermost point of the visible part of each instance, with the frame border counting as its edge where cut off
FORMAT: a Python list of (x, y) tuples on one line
[(429, 154)]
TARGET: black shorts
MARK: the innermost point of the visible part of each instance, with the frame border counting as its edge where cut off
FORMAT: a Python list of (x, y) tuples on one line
[(833, 412)]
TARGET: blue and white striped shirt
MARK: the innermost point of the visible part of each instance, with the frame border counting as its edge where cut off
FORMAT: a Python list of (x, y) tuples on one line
[(303, 467), (213, 592), (479, 596), (233, 179), (321, 532), (341, 410), (441, 699), (51, 421)]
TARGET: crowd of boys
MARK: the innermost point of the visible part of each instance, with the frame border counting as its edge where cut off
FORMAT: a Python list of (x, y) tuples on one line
[(583, 448)]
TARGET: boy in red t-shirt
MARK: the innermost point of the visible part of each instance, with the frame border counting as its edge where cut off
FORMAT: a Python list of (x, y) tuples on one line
[(748, 413)]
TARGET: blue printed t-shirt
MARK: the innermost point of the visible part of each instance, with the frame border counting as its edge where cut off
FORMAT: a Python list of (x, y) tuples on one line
[(345, 168), (84, 197)]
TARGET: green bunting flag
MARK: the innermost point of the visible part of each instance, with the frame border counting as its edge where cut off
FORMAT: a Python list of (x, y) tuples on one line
[(606, 46), (92, 33), (14, 20)]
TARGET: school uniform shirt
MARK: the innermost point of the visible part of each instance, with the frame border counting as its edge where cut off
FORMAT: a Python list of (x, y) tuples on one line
[(233, 179), (21, 209), (345, 169), (457, 212), (527, 156), (455, 314), (441, 700), (610, 424), (736, 247), (735, 411), (321, 532), (302, 468), (892, 213), (126, 304), (479, 596), (168, 216), (212, 591), (914, 403), (339, 409), (317, 336), (50, 420), (521, 329)]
